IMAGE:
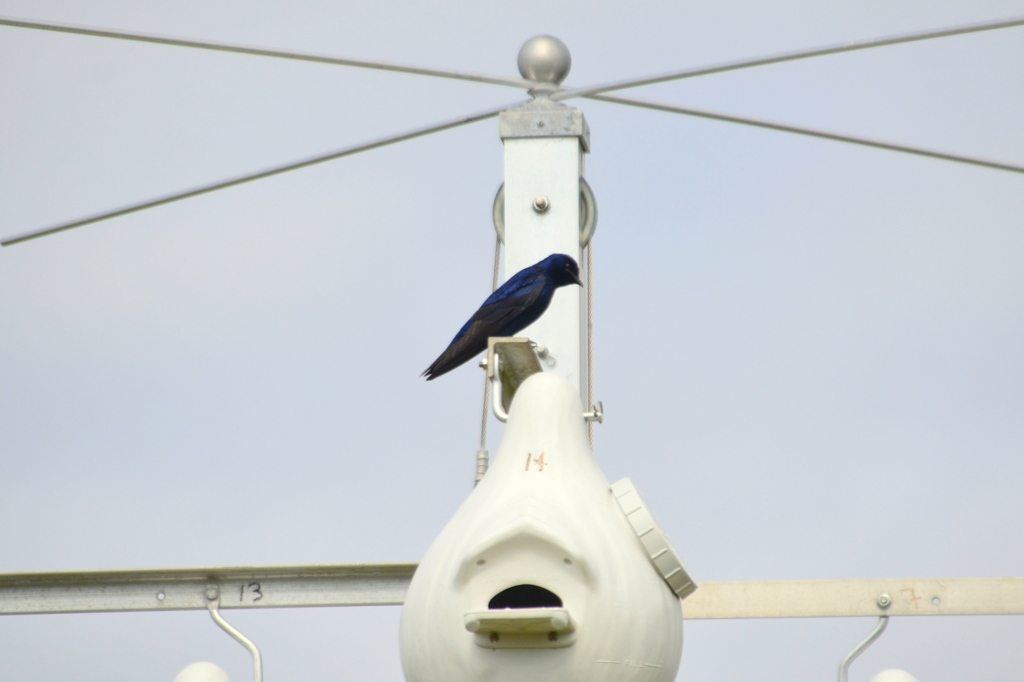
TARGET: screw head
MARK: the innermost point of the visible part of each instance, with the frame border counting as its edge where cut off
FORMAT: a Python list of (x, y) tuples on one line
[(494, 636), (541, 204), (212, 593), (884, 601)]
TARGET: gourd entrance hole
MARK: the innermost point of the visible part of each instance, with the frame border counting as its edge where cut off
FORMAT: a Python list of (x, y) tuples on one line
[(525, 597)]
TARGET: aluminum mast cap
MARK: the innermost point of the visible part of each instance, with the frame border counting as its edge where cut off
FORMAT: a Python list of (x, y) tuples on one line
[(653, 538), (544, 59)]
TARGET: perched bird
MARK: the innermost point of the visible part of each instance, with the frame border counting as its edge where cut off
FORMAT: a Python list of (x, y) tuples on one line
[(515, 305)]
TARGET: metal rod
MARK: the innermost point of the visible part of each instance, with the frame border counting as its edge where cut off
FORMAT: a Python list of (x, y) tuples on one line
[(493, 375), (844, 667), (262, 52), (261, 587), (212, 187), (811, 132), (257, 660), (589, 248), (788, 57)]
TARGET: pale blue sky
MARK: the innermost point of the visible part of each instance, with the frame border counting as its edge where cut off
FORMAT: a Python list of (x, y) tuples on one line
[(809, 353)]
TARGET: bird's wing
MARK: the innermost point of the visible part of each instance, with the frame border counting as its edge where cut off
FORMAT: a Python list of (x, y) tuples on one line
[(496, 317), (505, 305)]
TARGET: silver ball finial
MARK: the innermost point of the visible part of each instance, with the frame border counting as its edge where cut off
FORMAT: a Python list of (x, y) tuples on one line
[(544, 59)]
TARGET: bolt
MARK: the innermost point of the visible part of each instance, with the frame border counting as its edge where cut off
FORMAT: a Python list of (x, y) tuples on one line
[(212, 593), (884, 601), (494, 636), (541, 204)]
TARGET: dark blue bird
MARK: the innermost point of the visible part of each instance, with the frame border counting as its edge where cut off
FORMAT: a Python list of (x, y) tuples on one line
[(515, 305)]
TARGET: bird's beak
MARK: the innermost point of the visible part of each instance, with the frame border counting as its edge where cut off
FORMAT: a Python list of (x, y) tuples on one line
[(576, 278)]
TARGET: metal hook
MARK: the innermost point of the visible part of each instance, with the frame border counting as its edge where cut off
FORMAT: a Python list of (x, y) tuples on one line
[(213, 604), (492, 373), (844, 667)]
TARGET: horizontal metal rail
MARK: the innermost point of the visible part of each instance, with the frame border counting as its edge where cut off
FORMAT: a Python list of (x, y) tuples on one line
[(185, 588), (825, 598), (386, 584)]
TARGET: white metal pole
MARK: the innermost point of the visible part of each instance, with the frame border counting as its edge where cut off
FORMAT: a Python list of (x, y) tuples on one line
[(544, 146)]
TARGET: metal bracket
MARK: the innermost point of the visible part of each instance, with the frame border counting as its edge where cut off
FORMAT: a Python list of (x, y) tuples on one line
[(212, 595), (510, 361)]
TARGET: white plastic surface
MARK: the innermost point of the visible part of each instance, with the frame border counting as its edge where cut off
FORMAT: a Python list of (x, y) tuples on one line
[(542, 515), (653, 538), (894, 675), (202, 672)]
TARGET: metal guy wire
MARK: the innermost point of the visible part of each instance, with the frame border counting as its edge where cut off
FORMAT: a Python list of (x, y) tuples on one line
[(848, 46), (275, 170), (481, 454)]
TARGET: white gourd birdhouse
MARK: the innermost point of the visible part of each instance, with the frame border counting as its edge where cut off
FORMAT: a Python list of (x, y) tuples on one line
[(540, 575)]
